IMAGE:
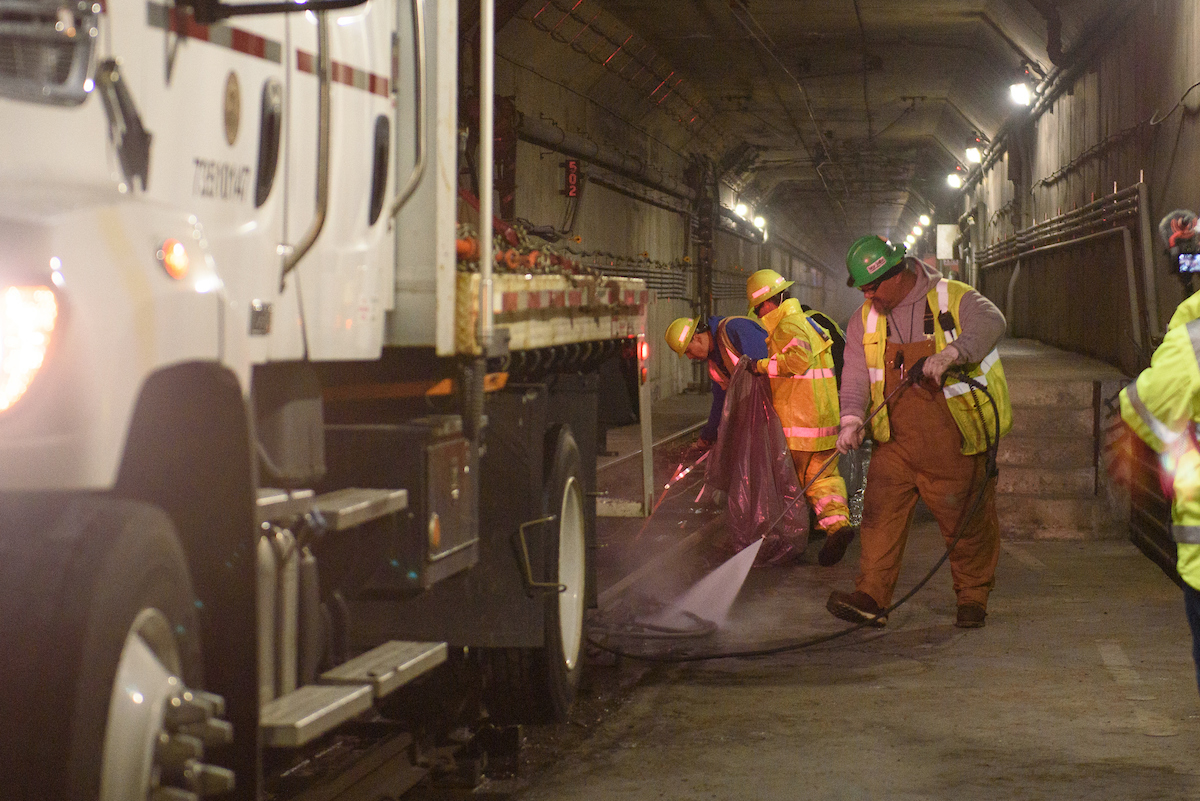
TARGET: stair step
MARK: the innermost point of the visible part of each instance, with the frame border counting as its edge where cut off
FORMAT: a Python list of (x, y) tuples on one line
[(305, 714), (353, 506), (1024, 517), (1040, 482), (342, 509), (388, 666), (1047, 452), (1039, 421), (1056, 394)]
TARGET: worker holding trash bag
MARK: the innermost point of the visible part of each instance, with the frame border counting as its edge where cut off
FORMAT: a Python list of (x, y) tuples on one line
[(719, 341), (931, 439), (804, 392)]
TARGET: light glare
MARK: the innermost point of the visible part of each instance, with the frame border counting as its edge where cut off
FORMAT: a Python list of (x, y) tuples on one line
[(923, 219), (973, 155), (27, 317), (741, 210), (1020, 94), (954, 180), (760, 222)]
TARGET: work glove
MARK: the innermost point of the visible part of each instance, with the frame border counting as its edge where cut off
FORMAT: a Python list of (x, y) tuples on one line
[(850, 436), (937, 364), (697, 449)]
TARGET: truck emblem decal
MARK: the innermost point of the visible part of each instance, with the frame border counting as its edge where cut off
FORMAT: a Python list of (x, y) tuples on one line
[(179, 20), (344, 74), (233, 107)]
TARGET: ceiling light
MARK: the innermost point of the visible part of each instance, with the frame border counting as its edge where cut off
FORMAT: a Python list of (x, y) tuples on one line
[(924, 219), (910, 239), (918, 230), (760, 222), (741, 210), (954, 180), (1020, 94), (973, 155)]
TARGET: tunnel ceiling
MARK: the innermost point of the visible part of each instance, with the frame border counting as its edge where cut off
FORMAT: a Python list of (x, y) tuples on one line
[(844, 115)]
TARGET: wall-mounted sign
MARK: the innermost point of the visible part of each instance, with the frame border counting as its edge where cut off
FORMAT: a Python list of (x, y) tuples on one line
[(571, 178)]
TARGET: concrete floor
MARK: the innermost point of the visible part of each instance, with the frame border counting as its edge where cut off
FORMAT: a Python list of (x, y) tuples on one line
[(1080, 686)]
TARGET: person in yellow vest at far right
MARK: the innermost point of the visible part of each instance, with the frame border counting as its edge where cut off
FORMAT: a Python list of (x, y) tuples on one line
[(1162, 406), (930, 440), (804, 393)]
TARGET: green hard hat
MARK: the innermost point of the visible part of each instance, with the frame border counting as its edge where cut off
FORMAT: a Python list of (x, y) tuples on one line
[(870, 257)]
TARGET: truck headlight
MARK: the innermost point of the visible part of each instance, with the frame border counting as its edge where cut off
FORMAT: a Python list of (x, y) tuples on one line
[(27, 318)]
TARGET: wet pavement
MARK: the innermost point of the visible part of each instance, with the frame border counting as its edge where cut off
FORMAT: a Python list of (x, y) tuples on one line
[(1081, 685)]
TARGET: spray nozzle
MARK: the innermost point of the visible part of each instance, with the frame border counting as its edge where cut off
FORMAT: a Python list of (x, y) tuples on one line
[(916, 373)]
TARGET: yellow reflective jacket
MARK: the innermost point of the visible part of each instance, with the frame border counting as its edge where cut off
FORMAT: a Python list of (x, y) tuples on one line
[(803, 384), (969, 407), (1162, 406)]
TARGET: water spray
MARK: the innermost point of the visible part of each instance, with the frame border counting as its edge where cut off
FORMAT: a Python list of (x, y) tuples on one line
[(990, 470)]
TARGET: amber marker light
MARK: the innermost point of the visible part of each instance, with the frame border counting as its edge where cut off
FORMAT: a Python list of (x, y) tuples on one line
[(27, 318), (173, 258)]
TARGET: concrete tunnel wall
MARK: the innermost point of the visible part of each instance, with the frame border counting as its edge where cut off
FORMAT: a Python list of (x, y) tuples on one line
[(612, 225), (1126, 117)]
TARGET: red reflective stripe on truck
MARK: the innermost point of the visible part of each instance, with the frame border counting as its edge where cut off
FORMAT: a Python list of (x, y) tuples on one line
[(179, 21), (344, 74)]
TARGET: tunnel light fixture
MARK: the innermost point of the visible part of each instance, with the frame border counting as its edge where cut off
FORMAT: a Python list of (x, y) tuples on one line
[(760, 222), (1020, 94), (741, 210), (954, 180), (924, 219), (974, 155), (918, 230), (910, 240)]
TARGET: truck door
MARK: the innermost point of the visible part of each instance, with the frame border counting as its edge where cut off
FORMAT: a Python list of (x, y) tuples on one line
[(338, 285)]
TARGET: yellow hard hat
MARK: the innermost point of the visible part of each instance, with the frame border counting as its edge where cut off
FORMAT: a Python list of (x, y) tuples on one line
[(680, 332), (763, 285)]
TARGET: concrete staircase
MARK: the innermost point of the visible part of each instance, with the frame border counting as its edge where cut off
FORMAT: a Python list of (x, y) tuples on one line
[(1053, 483)]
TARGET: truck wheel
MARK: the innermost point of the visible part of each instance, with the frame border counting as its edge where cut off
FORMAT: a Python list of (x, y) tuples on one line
[(107, 623), (537, 685)]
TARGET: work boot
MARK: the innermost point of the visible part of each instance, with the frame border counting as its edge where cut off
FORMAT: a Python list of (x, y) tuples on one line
[(856, 607), (835, 546), (970, 616)]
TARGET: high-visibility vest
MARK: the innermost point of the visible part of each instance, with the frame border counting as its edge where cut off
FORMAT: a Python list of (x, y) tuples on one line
[(726, 352), (807, 403), (970, 408), (1171, 386)]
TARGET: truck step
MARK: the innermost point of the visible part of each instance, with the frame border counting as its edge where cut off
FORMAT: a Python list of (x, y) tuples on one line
[(342, 509), (389, 666), (305, 714)]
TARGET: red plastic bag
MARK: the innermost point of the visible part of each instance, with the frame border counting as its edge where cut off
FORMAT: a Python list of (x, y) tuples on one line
[(751, 463)]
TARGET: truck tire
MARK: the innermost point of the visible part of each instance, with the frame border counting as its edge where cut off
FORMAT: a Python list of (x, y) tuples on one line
[(537, 685), (101, 608)]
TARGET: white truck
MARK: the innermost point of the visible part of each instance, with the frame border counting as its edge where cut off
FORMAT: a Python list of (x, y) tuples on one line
[(267, 460)]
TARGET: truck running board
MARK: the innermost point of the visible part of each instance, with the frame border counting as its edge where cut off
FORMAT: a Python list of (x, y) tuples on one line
[(341, 509), (345, 692)]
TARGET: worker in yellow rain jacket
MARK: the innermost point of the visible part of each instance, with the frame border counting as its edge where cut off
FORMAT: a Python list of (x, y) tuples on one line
[(805, 394), (1162, 406)]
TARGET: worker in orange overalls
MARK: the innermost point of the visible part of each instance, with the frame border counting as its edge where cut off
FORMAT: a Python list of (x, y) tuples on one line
[(805, 394)]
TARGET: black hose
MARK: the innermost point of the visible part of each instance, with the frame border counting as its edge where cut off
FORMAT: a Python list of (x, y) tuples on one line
[(990, 470)]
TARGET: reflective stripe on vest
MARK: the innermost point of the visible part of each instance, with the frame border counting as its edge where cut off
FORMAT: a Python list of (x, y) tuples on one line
[(810, 433), (1186, 535), (962, 387), (1157, 427)]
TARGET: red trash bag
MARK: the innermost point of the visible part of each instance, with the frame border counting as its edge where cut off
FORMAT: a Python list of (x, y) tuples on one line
[(751, 463)]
